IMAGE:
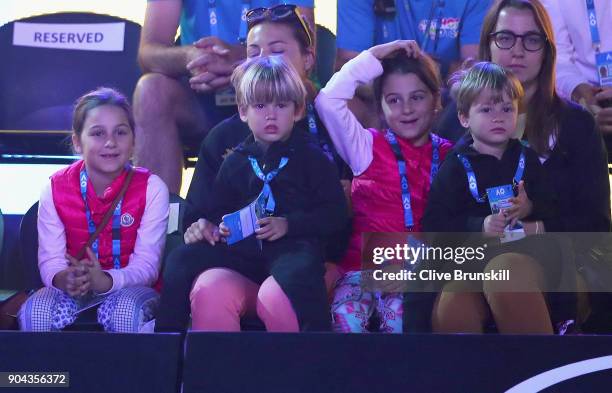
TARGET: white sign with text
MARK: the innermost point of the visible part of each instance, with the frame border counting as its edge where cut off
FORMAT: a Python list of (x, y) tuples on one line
[(106, 37)]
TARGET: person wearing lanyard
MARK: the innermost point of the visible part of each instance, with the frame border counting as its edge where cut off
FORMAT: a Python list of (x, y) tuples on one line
[(184, 89), (272, 268), (487, 186), (448, 30), (273, 31), (583, 34), (118, 273), (518, 35), (392, 167)]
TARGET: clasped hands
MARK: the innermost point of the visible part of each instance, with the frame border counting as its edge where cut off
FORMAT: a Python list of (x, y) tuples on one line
[(82, 276), (211, 61)]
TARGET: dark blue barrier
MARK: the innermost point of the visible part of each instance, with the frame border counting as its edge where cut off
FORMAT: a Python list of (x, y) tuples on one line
[(313, 363), (326, 363), (97, 362)]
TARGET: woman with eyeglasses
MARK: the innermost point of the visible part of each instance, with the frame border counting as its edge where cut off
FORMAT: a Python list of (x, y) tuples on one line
[(517, 34), (276, 31)]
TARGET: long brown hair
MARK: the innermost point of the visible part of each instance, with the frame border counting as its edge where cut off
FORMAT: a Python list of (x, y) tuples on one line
[(545, 107)]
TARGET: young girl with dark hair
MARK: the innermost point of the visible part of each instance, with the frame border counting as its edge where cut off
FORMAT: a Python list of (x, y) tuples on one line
[(393, 168), (119, 268)]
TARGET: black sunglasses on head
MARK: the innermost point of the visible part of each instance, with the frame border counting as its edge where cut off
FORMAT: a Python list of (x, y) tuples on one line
[(282, 11)]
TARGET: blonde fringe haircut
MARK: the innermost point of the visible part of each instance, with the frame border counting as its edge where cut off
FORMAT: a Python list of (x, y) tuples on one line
[(484, 75), (262, 80)]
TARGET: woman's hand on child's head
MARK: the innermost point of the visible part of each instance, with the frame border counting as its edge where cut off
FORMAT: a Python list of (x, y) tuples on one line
[(494, 224), (521, 205), (202, 230), (272, 228), (384, 50)]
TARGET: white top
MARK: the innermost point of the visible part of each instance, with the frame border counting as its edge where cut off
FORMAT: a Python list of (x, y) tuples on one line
[(144, 263), (575, 52), (353, 142)]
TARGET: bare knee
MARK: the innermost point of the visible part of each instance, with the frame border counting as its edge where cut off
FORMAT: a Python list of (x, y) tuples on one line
[(155, 95), (525, 274), (459, 312)]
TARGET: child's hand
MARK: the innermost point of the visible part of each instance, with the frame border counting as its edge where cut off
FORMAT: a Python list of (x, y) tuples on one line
[(272, 228), (101, 281), (384, 50), (81, 273), (69, 281), (202, 230), (494, 224), (223, 231), (521, 205)]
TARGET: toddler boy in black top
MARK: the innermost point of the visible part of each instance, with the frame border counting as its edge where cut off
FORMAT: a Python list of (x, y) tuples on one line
[(298, 189)]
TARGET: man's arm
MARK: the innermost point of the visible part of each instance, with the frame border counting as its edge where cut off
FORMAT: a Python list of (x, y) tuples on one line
[(210, 60), (157, 52)]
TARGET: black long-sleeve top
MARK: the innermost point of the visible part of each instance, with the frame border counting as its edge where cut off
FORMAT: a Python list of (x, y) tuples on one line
[(451, 206), (307, 190), (578, 170), (224, 137)]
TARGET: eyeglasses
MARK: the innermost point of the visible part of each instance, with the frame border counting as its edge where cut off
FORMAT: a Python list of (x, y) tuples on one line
[(532, 42), (278, 12)]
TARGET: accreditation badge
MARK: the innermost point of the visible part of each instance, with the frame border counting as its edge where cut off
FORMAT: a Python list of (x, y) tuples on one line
[(499, 199), (603, 63), (225, 97)]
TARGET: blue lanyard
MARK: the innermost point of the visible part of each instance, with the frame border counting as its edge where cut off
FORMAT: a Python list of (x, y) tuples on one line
[(401, 165), (314, 131), (91, 226), (438, 22), (471, 176), (213, 19), (592, 16), (266, 192)]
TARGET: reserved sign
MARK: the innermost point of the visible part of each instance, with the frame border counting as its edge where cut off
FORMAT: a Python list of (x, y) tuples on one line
[(107, 37)]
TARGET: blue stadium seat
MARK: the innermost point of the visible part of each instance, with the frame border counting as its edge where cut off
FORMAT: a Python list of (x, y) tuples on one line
[(38, 86)]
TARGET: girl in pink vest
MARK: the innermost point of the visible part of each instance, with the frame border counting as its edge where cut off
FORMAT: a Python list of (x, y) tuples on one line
[(392, 168), (118, 271)]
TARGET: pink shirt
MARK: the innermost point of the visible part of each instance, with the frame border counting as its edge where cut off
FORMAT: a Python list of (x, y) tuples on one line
[(353, 142), (144, 263)]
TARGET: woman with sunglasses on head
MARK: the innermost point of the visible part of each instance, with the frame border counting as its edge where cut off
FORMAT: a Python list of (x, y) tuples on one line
[(185, 89), (276, 31), (517, 34)]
